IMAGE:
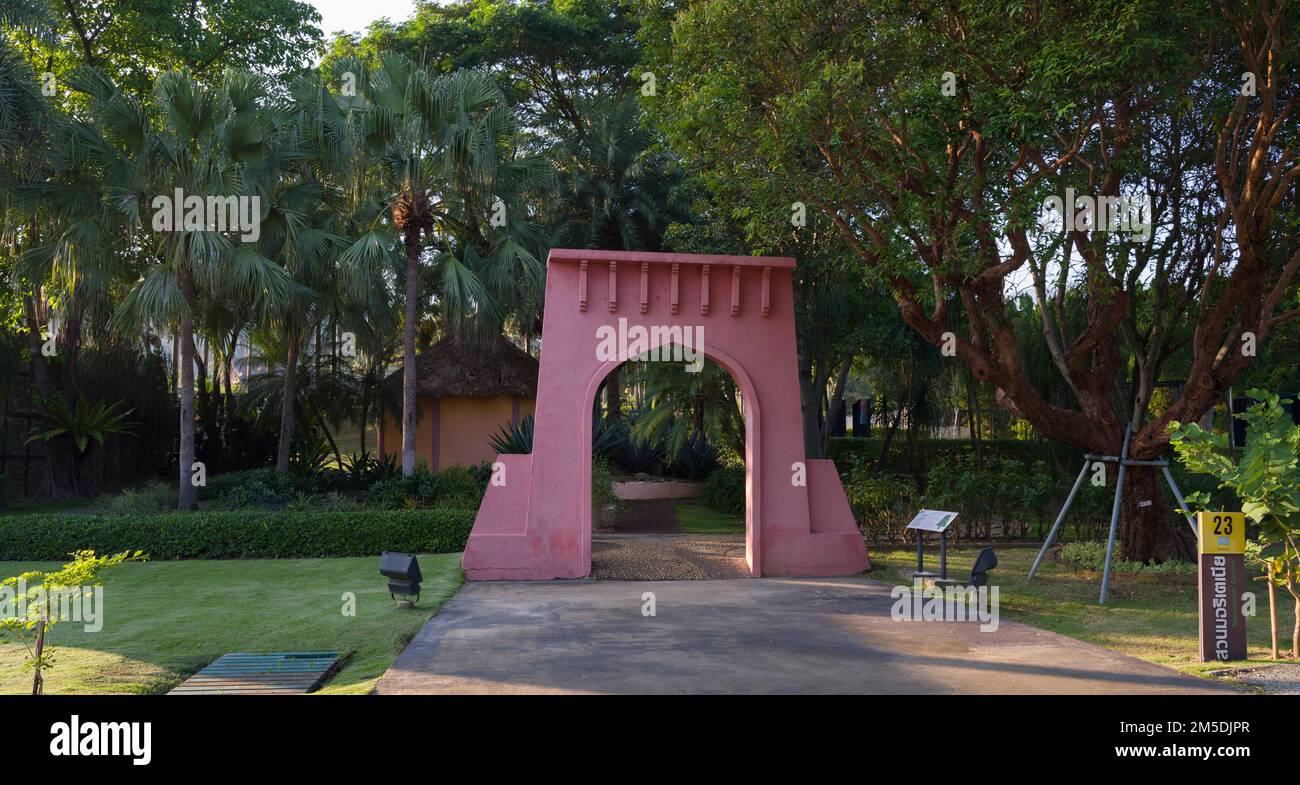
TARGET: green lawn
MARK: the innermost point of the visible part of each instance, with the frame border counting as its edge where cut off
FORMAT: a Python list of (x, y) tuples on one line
[(698, 519), (165, 620), (1152, 617)]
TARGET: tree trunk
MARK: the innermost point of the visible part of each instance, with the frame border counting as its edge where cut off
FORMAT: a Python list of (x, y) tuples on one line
[(329, 437), (228, 400), (614, 394), (1148, 530), (972, 403), (203, 402), (290, 393), (187, 494), (812, 391), (890, 430), (38, 680), (1272, 612), (1294, 589), (412, 243), (835, 415)]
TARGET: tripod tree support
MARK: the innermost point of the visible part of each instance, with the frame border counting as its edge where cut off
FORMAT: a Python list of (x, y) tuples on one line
[(1124, 462)]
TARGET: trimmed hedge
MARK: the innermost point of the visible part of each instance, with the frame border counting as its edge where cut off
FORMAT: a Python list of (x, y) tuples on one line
[(845, 449), (241, 534)]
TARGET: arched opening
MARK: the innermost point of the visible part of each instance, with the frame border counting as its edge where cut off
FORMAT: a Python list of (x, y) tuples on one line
[(661, 528)]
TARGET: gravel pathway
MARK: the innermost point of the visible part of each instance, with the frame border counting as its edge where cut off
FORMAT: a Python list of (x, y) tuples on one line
[(697, 557), (1281, 679)]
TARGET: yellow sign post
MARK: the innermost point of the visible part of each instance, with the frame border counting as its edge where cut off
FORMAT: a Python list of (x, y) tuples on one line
[(1222, 537)]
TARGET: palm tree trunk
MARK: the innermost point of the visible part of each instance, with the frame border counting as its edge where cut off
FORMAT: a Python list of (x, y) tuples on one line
[(412, 243), (286, 404), (187, 494)]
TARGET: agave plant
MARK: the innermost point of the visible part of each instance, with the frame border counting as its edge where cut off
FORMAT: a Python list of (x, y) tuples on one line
[(697, 458), (514, 438), (607, 437)]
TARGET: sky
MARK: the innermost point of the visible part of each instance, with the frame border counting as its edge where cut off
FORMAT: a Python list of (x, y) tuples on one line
[(355, 16)]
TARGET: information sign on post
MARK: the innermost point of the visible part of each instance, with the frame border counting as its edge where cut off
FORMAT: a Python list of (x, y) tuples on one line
[(1222, 580)]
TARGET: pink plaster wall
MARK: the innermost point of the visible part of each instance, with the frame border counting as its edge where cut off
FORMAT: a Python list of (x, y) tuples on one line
[(538, 523)]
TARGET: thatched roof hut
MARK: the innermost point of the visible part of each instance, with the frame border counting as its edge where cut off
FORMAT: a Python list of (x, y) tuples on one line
[(479, 369), (465, 391)]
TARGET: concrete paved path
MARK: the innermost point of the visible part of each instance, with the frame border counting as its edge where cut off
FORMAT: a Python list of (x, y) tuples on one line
[(771, 635)]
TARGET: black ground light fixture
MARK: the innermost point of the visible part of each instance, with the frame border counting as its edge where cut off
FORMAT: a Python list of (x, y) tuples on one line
[(403, 573), (985, 561)]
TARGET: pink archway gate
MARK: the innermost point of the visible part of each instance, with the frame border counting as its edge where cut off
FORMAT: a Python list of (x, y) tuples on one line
[(535, 518)]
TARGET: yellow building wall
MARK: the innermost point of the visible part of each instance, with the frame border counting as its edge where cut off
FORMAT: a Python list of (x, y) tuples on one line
[(465, 426)]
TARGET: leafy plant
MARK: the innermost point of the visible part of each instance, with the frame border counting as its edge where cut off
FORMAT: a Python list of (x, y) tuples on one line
[(697, 459), (457, 487), (83, 423), (1267, 480), (882, 503), (724, 490), (641, 453), (602, 483), (312, 456), (607, 437), (1091, 555), (156, 496), (43, 593), (514, 438)]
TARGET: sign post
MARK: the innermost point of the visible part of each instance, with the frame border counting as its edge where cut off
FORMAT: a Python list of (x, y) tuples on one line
[(1222, 580), (932, 521)]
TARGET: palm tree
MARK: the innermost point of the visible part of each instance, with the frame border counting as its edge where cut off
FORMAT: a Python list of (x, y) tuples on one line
[(614, 187), (23, 111), (445, 147), (207, 141), (681, 405), (614, 191)]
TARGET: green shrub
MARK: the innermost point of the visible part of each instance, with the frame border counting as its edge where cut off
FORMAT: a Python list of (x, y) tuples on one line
[(882, 504), (1092, 556), (454, 487), (242, 489), (330, 501), (256, 494), (156, 496), (724, 490), (236, 534), (602, 483), (1054, 455)]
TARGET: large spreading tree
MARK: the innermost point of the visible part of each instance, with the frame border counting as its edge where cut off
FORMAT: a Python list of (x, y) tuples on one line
[(931, 135)]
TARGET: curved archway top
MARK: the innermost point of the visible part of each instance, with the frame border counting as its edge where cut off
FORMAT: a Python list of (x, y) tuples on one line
[(737, 309)]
